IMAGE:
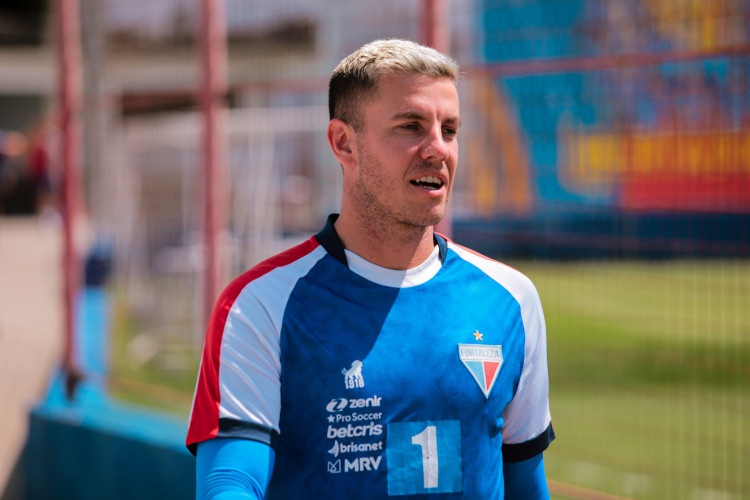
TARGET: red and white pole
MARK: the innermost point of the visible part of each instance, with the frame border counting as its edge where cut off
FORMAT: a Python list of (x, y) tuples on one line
[(434, 29), (212, 92), (69, 101)]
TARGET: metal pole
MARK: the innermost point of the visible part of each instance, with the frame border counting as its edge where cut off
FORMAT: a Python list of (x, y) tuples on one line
[(69, 97), (434, 28), (94, 116), (213, 90), (434, 31)]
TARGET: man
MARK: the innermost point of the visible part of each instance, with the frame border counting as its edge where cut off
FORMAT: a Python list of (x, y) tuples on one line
[(378, 359)]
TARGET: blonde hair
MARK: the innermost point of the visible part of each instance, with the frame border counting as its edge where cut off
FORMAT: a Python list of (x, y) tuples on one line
[(355, 79)]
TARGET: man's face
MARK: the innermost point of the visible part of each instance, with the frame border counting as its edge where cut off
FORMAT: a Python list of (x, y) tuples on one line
[(407, 151)]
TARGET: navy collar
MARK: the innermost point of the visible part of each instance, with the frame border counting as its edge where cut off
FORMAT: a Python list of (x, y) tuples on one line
[(329, 238)]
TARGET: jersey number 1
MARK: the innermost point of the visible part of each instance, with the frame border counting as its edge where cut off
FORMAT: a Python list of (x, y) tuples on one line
[(427, 439), (407, 442)]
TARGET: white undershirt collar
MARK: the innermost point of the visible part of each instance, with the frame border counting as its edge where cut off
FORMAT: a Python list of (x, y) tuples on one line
[(392, 277)]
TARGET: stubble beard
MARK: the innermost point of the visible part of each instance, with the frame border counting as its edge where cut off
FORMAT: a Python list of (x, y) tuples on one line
[(380, 217)]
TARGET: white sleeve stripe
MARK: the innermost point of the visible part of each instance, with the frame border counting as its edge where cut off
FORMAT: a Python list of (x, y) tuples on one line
[(250, 366)]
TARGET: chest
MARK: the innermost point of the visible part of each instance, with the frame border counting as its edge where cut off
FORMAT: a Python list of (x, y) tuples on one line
[(447, 349)]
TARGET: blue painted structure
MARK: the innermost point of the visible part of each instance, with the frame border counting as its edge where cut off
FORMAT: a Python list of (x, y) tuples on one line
[(598, 233), (97, 448), (94, 447)]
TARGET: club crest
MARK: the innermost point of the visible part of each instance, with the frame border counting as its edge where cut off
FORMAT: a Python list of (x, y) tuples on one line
[(483, 362), (353, 378)]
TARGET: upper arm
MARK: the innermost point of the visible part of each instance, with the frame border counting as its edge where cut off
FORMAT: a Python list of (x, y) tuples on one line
[(527, 429), (238, 389), (233, 469), (525, 480)]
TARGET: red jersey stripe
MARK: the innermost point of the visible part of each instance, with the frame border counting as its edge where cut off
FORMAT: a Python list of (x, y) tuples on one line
[(204, 418)]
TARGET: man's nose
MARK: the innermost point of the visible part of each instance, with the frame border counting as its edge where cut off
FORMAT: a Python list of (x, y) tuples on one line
[(435, 146)]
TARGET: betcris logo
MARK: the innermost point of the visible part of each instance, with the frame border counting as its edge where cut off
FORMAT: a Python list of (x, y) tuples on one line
[(352, 431), (339, 404)]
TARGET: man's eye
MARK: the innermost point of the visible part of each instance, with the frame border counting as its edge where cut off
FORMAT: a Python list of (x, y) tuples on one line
[(410, 126), (450, 132)]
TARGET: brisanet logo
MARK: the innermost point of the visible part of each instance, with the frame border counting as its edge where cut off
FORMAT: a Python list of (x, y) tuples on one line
[(353, 447)]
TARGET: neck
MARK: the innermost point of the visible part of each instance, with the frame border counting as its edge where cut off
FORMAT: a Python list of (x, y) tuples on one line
[(388, 245)]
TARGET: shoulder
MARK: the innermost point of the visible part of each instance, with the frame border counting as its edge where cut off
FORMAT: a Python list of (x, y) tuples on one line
[(283, 269), (517, 283), (299, 255)]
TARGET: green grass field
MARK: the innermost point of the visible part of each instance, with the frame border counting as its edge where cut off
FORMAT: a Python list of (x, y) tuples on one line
[(649, 368), (649, 376)]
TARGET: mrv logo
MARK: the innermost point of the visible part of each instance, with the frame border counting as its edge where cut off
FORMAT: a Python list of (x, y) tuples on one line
[(340, 404), (361, 464)]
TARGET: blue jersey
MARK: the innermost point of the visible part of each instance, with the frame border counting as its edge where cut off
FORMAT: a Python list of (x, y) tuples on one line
[(371, 382)]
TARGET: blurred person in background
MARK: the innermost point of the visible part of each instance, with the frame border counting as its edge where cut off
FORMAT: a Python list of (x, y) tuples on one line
[(38, 164), (3, 168), (378, 358), (16, 185)]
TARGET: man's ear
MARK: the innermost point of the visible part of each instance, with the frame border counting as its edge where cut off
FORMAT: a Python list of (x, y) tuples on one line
[(341, 138)]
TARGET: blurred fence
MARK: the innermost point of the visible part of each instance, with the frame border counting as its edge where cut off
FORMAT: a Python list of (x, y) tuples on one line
[(591, 129), (145, 185)]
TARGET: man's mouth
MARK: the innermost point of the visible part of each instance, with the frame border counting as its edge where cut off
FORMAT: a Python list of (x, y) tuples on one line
[(428, 182)]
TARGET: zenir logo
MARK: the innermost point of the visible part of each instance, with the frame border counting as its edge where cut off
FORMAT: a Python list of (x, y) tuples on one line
[(337, 404)]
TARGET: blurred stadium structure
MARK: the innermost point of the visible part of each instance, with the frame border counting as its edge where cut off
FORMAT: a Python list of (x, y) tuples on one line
[(592, 129)]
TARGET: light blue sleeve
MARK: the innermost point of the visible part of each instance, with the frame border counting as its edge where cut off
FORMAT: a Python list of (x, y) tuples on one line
[(525, 480), (231, 468)]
